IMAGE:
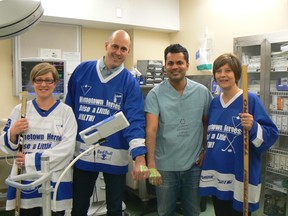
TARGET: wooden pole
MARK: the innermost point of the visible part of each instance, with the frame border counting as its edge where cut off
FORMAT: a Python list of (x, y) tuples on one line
[(24, 96), (245, 142)]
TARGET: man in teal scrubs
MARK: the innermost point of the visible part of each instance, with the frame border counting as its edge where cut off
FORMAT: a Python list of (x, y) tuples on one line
[(176, 115)]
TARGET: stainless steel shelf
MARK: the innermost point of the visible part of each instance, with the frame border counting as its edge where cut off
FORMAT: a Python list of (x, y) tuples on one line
[(279, 93), (277, 171), (276, 187), (280, 167), (263, 54), (279, 151)]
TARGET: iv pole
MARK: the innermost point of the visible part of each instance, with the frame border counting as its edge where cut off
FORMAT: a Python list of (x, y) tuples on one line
[(42, 177)]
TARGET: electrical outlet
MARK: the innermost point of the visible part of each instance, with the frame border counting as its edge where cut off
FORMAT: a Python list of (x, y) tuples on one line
[(119, 13), (54, 53)]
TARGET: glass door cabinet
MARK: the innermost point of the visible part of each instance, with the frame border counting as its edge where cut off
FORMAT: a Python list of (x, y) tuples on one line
[(267, 59)]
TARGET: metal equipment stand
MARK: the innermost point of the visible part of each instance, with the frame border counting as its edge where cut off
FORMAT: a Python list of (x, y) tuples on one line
[(43, 178)]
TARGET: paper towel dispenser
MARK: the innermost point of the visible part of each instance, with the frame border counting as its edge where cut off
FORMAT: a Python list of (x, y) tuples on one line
[(17, 16)]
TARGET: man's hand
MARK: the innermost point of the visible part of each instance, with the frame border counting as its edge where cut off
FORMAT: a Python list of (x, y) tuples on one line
[(199, 162), (140, 170), (155, 177)]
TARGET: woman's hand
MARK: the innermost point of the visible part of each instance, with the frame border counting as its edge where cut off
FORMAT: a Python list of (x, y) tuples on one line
[(247, 120), (19, 127), (20, 160)]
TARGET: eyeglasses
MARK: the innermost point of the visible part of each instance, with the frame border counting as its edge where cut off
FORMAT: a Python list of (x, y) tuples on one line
[(47, 81)]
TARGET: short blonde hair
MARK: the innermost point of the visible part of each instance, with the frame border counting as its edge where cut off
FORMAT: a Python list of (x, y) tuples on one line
[(43, 68)]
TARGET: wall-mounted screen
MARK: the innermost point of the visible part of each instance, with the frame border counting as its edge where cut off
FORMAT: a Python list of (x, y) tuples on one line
[(26, 66)]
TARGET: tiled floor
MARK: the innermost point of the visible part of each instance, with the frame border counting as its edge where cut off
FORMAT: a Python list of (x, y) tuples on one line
[(136, 207)]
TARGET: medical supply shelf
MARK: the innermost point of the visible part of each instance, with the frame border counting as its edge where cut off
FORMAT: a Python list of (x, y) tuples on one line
[(267, 59), (152, 71)]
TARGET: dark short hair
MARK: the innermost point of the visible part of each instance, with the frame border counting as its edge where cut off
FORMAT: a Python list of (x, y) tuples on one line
[(176, 48), (230, 59)]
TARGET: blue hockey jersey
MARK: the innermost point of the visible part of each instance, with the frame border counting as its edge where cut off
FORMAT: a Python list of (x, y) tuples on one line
[(94, 98), (222, 174)]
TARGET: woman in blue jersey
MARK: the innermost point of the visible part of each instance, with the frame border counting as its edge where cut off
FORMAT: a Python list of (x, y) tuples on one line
[(49, 129), (222, 173)]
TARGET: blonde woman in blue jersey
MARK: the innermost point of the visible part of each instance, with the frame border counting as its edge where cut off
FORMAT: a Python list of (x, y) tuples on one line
[(49, 129), (176, 113), (222, 171)]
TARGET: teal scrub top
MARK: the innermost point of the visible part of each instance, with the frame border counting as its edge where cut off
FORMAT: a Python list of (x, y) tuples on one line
[(180, 127)]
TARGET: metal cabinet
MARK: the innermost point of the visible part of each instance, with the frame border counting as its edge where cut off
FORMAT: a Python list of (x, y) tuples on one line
[(151, 70), (267, 59)]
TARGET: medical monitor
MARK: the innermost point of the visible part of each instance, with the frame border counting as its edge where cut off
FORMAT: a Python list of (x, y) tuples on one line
[(25, 67)]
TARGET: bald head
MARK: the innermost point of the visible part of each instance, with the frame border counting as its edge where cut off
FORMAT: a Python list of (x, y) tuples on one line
[(117, 48), (120, 34)]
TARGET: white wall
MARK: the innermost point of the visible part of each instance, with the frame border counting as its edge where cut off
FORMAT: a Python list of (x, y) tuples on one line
[(158, 14), (149, 45), (227, 19)]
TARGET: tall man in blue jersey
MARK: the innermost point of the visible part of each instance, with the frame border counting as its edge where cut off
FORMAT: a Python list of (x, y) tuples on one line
[(96, 90)]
